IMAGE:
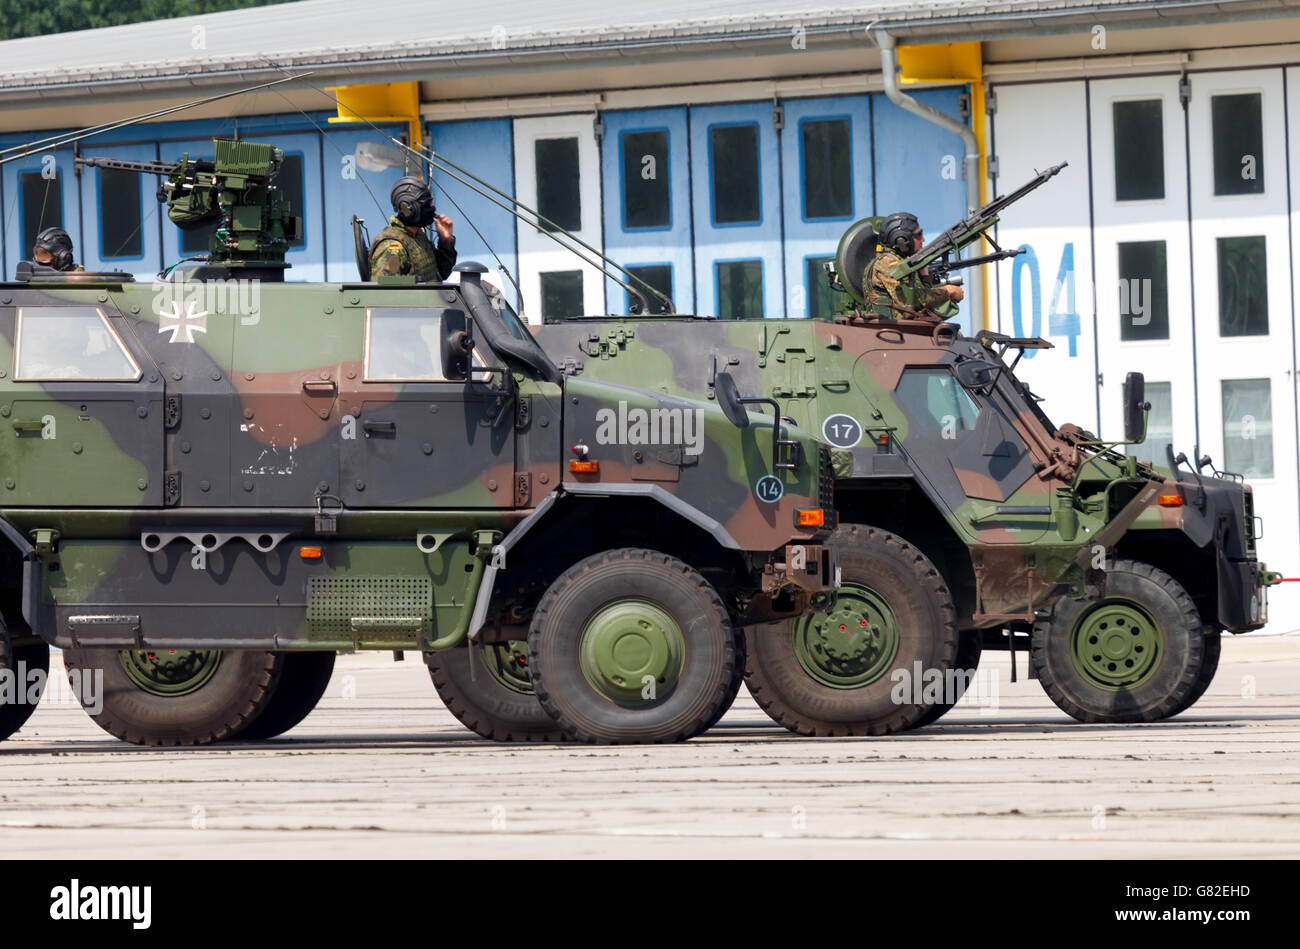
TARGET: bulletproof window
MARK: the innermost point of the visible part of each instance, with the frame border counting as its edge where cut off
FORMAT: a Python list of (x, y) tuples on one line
[(290, 183), (740, 289), (403, 344), (42, 202), (827, 154), (1139, 150), (562, 294), (659, 276), (559, 191), (70, 342), (1238, 132), (121, 218), (1248, 427), (733, 164), (647, 199), (822, 300), (1143, 291), (1160, 423), (936, 401), (1243, 290)]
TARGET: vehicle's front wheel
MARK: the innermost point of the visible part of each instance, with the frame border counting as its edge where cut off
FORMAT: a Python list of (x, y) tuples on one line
[(1135, 655), (489, 688), (27, 668), (632, 646)]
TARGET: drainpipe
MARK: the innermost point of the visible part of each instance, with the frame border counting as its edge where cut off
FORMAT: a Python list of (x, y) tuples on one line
[(970, 161)]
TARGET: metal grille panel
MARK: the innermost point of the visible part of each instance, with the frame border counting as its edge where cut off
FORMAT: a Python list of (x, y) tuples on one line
[(361, 609)]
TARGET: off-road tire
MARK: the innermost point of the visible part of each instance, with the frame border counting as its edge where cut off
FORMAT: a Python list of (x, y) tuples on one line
[(737, 677), (1172, 682), (14, 715), (240, 689), (599, 581), (1209, 666), (304, 677), (927, 633), (484, 704), (970, 646)]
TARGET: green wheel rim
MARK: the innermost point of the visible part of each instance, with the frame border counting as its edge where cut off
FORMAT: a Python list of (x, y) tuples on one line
[(632, 652), (171, 672), (851, 646), (508, 664), (1116, 645)]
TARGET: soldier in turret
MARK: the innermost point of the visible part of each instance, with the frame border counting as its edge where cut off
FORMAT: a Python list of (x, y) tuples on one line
[(53, 249), (887, 290), (403, 246)]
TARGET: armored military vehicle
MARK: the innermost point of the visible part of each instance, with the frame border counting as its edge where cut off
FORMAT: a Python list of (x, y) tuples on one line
[(963, 509), (213, 483)]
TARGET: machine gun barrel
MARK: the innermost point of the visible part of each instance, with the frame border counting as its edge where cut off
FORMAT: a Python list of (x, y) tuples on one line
[(164, 168)]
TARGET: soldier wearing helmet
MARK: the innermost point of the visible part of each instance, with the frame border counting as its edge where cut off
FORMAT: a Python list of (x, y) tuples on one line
[(887, 290), (403, 247), (53, 249)]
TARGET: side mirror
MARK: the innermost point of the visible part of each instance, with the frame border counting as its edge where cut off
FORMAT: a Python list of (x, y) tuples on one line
[(1135, 407), (729, 400), (976, 374), (456, 347)]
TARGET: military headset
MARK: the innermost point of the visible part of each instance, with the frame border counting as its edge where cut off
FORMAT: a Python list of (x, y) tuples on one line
[(413, 202), (897, 232), (56, 241)]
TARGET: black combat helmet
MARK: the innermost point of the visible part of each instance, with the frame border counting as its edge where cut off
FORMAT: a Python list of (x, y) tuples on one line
[(898, 230), (413, 202), (56, 242)]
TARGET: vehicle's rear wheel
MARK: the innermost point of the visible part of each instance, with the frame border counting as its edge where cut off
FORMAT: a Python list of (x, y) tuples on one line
[(853, 670), (632, 646), (1134, 655), (178, 696), (27, 668), (304, 677), (970, 646), (489, 688)]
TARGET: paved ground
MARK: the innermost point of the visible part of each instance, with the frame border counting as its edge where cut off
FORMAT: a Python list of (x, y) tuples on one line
[(382, 770)]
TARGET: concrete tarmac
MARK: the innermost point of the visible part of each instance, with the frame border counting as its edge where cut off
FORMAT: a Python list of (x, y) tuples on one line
[(381, 769)]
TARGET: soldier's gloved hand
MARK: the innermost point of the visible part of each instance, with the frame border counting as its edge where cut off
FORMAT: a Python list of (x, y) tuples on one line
[(444, 226), (955, 294)]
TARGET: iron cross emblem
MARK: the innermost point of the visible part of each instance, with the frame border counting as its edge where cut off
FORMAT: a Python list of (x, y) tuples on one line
[(183, 326)]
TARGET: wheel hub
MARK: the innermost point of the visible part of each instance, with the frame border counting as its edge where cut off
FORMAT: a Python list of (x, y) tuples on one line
[(508, 664), (170, 672), (631, 652), (851, 646), (1116, 645)]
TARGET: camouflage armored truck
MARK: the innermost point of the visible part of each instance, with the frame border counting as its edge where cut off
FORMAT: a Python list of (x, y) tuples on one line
[(213, 483), (962, 509)]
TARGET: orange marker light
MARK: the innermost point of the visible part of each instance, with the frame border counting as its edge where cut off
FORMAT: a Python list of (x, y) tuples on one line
[(1171, 500), (584, 467), (310, 553), (810, 517)]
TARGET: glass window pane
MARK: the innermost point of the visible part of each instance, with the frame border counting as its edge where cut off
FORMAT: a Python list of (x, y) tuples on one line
[(559, 194), (1238, 143), (42, 200), (404, 344), (733, 161), (562, 294), (70, 343), (740, 289), (822, 300), (646, 193), (659, 276), (827, 168), (1248, 427), (289, 181), (1143, 291), (1139, 150), (1243, 289), (936, 401), (120, 214), (1160, 424)]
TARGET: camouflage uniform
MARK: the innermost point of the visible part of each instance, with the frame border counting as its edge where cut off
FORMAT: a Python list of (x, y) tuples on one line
[(397, 251), (883, 289)]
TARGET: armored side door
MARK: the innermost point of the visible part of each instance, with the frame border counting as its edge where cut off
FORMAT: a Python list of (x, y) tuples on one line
[(81, 405), (412, 437)]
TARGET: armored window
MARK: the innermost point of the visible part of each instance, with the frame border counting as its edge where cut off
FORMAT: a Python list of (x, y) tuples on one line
[(1243, 290), (822, 300), (290, 183), (72, 342), (936, 401), (1160, 424), (562, 294), (827, 154), (1248, 427), (1143, 291), (403, 345), (121, 232), (42, 204), (646, 195), (659, 276), (740, 289), (1139, 150), (559, 192), (1238, 131), (733, 164)]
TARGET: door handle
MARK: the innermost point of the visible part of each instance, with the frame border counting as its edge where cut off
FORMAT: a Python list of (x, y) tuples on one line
[(320, 386), (377, 427), (27, 426)]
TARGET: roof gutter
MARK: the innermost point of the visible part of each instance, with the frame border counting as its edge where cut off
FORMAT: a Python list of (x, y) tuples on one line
[(970, 160)]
